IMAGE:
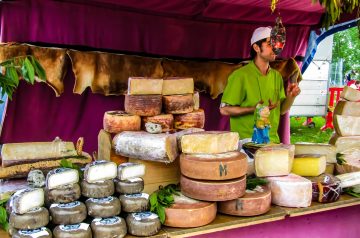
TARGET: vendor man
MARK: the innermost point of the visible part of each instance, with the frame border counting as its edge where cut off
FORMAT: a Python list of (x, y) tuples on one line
[(257, 83)]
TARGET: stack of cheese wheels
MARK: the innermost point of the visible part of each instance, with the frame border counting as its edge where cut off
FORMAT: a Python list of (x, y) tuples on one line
[(130, 185), (62, 193), (28, 216), (347, 131)]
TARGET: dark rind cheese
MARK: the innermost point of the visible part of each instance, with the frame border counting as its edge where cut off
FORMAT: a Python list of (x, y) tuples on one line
[(68, 213), (143, 105), (63, 194), (109, 227), (195, 119), (129, 186), (81, 230), (178, 104), (33, 219), (97, 190), (134, 202), (42, 232), (103, 207), (165, 120), (118, 121), (143, 223)]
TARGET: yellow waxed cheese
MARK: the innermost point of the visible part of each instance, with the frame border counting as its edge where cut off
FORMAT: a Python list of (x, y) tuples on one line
[(274, 160), (144, 86), (309, 165), (173, 86), (316, 148), (209, 142)]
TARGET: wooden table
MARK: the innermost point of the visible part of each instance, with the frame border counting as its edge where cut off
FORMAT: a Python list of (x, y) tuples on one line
[(226, 222)]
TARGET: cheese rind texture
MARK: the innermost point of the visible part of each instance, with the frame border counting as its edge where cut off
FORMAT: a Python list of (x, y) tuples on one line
[(178, 104), (143, 223), (274, 160), (349, 179), (165, 120), (347, 125), (351, 163), (209, 142), (141, 145), (105, 227), (347, 108), (316, 148), (344, 143), (350, 94), (309, 165), (173, 86), (143, 105), (26, 199), (144, 86), (118, 121), (290, 191), (195, 119), (32, 219)]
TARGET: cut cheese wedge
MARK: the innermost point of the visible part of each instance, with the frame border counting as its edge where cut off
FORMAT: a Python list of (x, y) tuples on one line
[(309, 165), (144, 86), (316, 148), (274, 160), (350, 94), (209, 142), (344, 143), (179, 134), (290, 191), (347, 125), (347, 108), (349, 179), (177, 85), (26, 199), (254, 202)]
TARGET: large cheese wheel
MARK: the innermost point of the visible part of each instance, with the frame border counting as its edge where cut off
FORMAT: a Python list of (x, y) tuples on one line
[(33, 219), (165, 120), (103, 207), (129, 186), (80, 230), (214, 166), (97, 190), (190, 120), (143, 105), (189, 213), (178, 104), (213, 190), (68, 213), (143, 223), (42, 232), (118, 121), (177, 85), (347, 125), (254, 202), (138, 202), (109, 227), (144, 86), (63, 194), (347, 108), (181, 133), (350, 94)]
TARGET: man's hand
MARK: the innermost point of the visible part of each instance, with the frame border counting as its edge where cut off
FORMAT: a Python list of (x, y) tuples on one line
[(293, 90)]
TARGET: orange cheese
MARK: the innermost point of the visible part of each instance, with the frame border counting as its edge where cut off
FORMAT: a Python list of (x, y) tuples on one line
[(195, 119)]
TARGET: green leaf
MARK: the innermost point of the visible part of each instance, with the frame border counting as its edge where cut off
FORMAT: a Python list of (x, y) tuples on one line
[(4, 201), (351, 192), (30, 70), (39, 70), (7, 62), (3, 215), (67, 164), (161, 214), (153, 200), (251, 183), (12, 75)]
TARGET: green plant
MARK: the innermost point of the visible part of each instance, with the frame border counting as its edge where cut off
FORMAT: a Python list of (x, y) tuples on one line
[(3, 215), (68, 164), (25, 67)]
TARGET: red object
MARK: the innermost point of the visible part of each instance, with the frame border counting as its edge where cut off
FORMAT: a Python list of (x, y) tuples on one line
[(329, 116), (308, 121)]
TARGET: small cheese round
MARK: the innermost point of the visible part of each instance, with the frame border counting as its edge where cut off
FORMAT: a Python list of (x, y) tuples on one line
[(118, 121), (33, 219), (103, 207), (109, 227), (143, 105), (68, 213), (143, 224), (129, 186), (63, 194), (36, 178), (80, 230), (97, 190), (178, 104), (42, 232), (134, 202), (195, 119)]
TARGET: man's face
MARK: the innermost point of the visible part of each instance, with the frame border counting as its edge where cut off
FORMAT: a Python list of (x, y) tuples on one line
[(266, 51)]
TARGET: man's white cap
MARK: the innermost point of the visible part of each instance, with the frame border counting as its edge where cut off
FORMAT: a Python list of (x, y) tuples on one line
[(260, 33)]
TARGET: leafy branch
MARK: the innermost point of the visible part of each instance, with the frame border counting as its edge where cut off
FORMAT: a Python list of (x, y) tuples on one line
[(163, 198), (252, 183), (351, 192), (14, 69), (3, 214), (68, 164)]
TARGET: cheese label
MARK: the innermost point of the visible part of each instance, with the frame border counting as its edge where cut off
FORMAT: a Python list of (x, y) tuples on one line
[(107, 221), (101, 200), (137, 195), (134, 180), (34, 209), (144, 215), (66, 205), (74, 227), (35, 232)]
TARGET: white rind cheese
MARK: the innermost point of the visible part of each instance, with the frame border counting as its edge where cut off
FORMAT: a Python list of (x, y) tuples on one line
[(27, 199), (317, 148), (142, 145), (347, 125), (349, 179), (100, 170), (61, 176), (130, 170), (290, 191)]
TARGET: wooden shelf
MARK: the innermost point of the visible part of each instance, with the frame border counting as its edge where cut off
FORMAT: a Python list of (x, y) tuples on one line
[(225, 222)]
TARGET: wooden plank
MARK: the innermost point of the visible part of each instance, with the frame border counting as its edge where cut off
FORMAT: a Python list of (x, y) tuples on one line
[(104, 145)]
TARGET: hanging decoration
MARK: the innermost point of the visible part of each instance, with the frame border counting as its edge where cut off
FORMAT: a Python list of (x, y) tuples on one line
[(278, 36)]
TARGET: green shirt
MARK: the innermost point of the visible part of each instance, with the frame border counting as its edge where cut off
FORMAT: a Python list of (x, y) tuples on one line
[(245, 88)]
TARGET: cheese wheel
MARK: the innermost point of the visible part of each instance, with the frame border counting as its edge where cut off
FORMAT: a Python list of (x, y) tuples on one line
[(42, 232), (25, 200), (347, 108), (254, 202), (108, 227), (325, 188), (100, 170), (118, 121), (138, 202), (81, 230), (178, 104), (177, 85), (190, 120), (222, 166), (165, 120), (347, 125), (190, 213), (68, 213), (350, 94), (97, 190), (143, 223), (130, 170), (61, 176), (103, 207), (144, 86), (129, 186), (220, 190), (33, 219), (143, 105), (344, 143), (63, 194)]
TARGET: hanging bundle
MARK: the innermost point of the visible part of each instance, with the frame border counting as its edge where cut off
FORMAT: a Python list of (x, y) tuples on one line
[(278, 36)]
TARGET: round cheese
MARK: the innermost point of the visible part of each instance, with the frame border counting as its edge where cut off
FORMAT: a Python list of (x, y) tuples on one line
[(97, 190), (63, 194), (195, 119), (33, 219), (143, 224), (118, 121), (108, 227), (222, 166), (220, 190), (178, 104), (254, 202), (36, 178), (80, 230), (103, 207), (129, 186), (42, 232), (143, 105), (68, 213), (134, 202), (165, 120), (194, 214)]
